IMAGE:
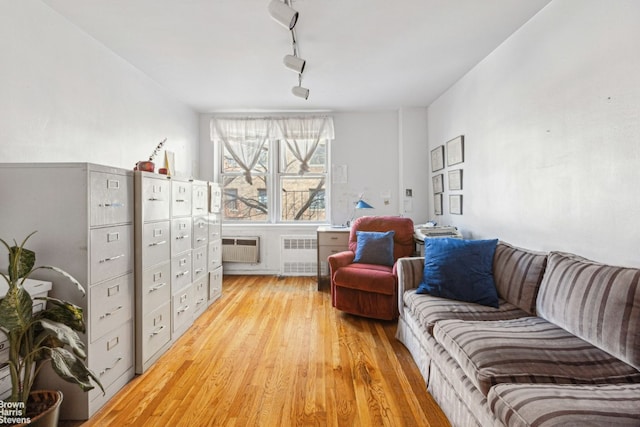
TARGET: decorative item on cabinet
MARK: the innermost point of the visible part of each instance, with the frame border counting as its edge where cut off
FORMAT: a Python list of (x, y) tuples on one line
[(89, 213), (31, 330)]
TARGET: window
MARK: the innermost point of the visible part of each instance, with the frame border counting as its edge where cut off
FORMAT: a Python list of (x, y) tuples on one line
[(280, 178)]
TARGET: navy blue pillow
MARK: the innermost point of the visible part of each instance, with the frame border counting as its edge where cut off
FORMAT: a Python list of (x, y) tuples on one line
[(460, 269), (374, 247)]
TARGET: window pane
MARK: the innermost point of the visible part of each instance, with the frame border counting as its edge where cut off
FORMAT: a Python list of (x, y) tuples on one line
[(289, 163), (230, 165), (244, 201), (303, 199)]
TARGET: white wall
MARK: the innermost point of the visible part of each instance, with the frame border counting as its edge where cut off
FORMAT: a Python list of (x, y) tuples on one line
[(551, 120), (414, 166), (64, 98)]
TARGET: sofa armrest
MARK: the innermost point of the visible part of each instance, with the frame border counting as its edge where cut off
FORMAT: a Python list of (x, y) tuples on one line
[(341, 259), (410, 271)]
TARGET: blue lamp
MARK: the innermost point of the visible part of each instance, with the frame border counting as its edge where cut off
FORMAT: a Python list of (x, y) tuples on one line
[(360, 204)]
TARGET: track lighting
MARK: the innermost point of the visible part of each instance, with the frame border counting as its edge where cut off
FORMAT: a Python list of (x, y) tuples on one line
[(283, 13), (294, 63), (300, 91)]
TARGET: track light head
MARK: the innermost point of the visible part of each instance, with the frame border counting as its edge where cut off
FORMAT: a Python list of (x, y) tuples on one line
[(283, 14), (301, 92), (294, 63)]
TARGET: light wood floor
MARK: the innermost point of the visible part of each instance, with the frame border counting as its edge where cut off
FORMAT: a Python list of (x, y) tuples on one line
[(273, 352)]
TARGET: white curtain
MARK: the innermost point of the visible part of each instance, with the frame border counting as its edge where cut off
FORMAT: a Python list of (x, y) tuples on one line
[(302, 135), (244, 138)]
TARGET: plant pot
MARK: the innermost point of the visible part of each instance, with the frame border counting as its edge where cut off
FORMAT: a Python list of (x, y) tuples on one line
[(43, 408)]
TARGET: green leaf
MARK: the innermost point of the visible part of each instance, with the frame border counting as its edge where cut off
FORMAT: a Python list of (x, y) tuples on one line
[(65, 274), (21, 261), (16, 310), (64, 312), (72, 369), (64, 335)]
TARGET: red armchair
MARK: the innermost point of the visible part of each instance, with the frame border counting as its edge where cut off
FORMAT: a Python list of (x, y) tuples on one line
[(370, 290)]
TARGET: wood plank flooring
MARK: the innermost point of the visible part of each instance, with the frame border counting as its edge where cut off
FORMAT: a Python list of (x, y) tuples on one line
[(273, 352)]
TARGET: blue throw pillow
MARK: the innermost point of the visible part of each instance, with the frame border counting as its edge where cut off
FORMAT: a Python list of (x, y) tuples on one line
[(374, 247), (460, 269)]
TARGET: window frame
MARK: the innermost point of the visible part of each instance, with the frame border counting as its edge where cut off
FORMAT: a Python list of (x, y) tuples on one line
[(273, 178)]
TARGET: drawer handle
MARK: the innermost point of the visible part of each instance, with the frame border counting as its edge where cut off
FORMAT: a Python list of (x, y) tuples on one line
[(182, 273), (200, 239), (157, 287), (154, 199), (199, 270), (183, 309), (157, 331), (105, 370), (180, 200), (200, 301), (112, 205), (161, 242), (111, 313), (113, 258), (184, 236)]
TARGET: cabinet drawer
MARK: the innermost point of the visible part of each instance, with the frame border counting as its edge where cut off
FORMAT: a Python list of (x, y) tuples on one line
[(215, 254), (200, 295), (199, 263), (180, 198), (111, 356), (4, 349), (325, 251), (200, 231), (111, 252), (111, 198), (334, 238), (156, 330), (180, 271), (215, 197), (156, 243), (156, 286), (200, 199), (215, 283), (155, 198), (111, 304), (182, 308), (215, 227), (180, 235)]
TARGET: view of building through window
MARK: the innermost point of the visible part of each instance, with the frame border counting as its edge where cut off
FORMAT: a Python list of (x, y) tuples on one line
[(280, 188)]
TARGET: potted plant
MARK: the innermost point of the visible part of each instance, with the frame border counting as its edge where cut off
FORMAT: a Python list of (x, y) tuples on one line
[(35, 338)]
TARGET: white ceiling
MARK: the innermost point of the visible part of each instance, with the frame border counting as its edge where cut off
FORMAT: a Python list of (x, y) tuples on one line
[(226, 55)]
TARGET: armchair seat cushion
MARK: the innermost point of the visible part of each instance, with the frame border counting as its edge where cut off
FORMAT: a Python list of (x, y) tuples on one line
[(367, 277)]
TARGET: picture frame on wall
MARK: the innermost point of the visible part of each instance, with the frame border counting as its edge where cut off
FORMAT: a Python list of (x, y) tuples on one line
[(437, 158), (455, 204), (455, 151), (437, 204), (438, 183), (455, 179)]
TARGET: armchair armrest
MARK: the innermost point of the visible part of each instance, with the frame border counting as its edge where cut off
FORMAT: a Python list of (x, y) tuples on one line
[(341, 259), (410, 271)]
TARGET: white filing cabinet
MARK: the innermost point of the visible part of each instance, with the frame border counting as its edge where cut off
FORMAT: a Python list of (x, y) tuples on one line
[(200, 219), (84, 217), (182, 304), (153, 267), (214, 250)]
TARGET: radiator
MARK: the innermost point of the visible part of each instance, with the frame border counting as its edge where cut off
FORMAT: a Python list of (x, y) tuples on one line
[(298, 256), (241, 249)]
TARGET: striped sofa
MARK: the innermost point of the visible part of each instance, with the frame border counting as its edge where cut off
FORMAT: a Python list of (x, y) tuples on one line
[(563, 348)]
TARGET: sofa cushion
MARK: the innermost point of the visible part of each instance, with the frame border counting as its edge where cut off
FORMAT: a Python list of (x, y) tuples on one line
[(367, 277), (460, 269), (550, 405), (517, 274), (374, 247), (527, 350), (597, 302), (429, 309)]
